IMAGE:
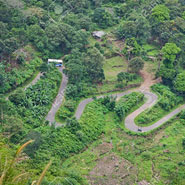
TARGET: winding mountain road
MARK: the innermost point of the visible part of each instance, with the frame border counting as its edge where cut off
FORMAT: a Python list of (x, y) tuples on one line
[(34, 81), (58, 100), (129, 121)]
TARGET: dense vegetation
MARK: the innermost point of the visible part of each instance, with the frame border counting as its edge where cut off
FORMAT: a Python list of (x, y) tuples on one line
[(153, 158), (33, 31), (167, 101), (126, 103)]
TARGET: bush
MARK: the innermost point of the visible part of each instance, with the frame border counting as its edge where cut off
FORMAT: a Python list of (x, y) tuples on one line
[(33, 104), (126, 103), (109, 102), (168, 100), (126, 76), (16, 77), (64, 113), (120, 85)]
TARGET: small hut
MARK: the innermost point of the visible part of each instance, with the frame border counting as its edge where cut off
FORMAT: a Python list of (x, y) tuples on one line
[(98, 34)]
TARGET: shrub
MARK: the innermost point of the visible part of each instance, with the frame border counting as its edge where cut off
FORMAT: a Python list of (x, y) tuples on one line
[(64, 113), (126, 103), (33, 104), (126, 76), (109, 102), (167, 101)]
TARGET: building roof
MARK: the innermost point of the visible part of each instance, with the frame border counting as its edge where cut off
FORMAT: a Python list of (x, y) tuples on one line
[(55, 60), (98, 34)]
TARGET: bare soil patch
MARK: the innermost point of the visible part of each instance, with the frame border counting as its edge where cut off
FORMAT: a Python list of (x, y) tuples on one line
[(103, 148), (149, 79), (112, 170)]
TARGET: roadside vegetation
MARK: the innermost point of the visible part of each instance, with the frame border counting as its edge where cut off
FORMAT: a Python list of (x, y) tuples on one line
[(136, 33), (153, 158), (167, 102)]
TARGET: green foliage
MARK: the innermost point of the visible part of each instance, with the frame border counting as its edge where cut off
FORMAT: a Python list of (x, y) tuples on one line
[(92, 121), (73, 137), (109, 102), (84, 66), (183, 15), (132, 48), (64, 113), (103, 18), (170, 51), (167, 73), (35, 102), (136, 26), (160, 13), (62, 28), (136, 64), (179, 83), (126, 103), (79, 21), (15, 77), (126, 76), (72, 125), (167, 101), (167, 70)]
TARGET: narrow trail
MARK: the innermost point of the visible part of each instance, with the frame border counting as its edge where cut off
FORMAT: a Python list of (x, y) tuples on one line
[(129, 121), (34, 81)]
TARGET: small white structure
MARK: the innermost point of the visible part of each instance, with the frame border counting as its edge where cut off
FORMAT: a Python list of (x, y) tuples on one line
[(55, 61), (98, 34)]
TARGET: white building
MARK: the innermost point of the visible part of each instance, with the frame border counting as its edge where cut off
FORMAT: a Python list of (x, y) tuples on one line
[(55, 61), (98, 34)]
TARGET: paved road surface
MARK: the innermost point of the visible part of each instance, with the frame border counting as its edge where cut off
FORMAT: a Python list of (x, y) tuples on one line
[(34, 80), (58, 100), (129, 121)]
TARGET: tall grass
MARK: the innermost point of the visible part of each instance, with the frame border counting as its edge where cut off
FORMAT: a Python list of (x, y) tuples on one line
[(8, 174)]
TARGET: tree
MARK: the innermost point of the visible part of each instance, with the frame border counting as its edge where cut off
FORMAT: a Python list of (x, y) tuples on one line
[(167, 73), (2, 107), (75, 72), (143, 27), (136, 64), (72, 125), (103, 18), (33, 147), (80, 39), (132, 48), (37, 35), (13, 127), (183, 15), (160, 13), (93, 61), (179, 83), (136, 26), (170, 51), (163, 31), (18, 97), (10, 45), (127, 29)]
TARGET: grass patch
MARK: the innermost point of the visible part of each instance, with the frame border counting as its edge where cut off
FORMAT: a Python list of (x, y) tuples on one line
[(113, 66), (153, 53), (151, 50), (148, 47)]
